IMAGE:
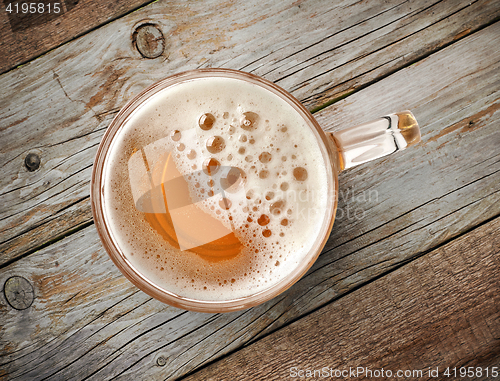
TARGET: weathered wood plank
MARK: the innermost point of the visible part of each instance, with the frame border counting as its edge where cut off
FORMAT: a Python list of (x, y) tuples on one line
[(59, 105), (28, 35), (88, 321), (439, 311)]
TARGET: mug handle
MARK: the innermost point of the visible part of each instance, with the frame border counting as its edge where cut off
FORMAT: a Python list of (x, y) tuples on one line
[(369, 141)]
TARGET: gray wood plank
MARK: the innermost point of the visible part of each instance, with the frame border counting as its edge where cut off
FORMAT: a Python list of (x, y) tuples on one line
[(88, 321), (407, 321), (28, 35), (58, 106)]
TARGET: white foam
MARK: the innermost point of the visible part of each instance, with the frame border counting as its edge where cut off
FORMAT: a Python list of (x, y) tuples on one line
[(279, 131)]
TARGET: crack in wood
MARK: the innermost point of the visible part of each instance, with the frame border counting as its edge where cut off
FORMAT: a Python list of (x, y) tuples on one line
[(75, 333), (289, 307), (302, 84), (405, 301), (100, 114), (210, 320), (338, 46), (102, 341)]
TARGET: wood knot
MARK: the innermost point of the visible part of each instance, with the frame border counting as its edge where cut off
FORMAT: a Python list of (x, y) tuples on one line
[(161, 361), (18, 292), (32, 162), (149, 40)]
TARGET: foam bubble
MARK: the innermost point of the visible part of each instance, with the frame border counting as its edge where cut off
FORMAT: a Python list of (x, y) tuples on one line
[(264, 174), (175, 135), (191, 154), (225, 203), (265, 157), (263, 220), (276, 208), (300, 173), (211, 166), (248, 120), (206, 121), (215, 144)]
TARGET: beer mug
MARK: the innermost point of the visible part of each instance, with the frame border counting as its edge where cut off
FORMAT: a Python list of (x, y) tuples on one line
[(215, 190)]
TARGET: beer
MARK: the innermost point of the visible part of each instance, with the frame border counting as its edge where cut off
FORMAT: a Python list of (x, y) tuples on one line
[(215, 188)]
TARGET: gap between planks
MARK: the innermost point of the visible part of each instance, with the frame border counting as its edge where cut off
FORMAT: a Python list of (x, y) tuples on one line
[(85, 310), (313, 111), (366, 53), (26, 37), (405, 320)]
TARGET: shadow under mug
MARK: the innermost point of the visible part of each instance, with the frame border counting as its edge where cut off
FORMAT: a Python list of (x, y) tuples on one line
[(339, 150)]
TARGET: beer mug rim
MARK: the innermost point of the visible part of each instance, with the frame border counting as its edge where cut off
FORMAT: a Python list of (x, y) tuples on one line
[(329, 153)]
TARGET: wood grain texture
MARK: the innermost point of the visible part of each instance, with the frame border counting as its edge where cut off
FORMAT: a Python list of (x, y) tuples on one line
[(59, 105), (28, 35), (88, 322), (439, 311)]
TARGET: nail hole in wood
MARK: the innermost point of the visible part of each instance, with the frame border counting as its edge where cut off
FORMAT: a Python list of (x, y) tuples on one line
[(32, 162), (161, 361)]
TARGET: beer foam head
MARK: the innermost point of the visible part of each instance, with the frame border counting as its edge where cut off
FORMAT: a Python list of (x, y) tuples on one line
[(209, 157)]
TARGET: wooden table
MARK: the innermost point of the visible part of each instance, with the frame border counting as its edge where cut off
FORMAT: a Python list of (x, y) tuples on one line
[(409, 279)]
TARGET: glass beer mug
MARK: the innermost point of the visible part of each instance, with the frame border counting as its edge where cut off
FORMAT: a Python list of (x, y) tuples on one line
[(215, 190)]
